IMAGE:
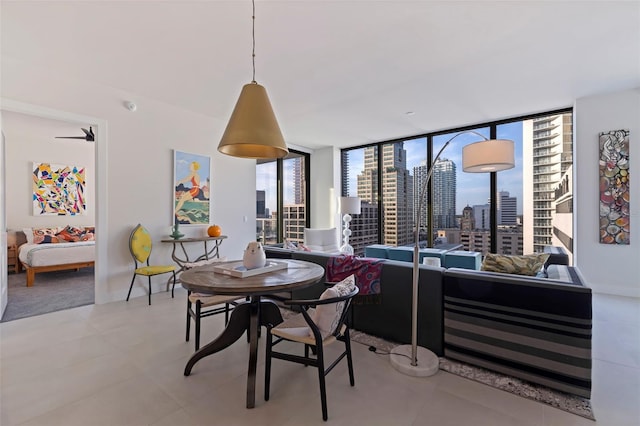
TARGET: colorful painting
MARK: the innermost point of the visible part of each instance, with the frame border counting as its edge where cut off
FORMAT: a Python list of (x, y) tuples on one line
[(614, 187), (58, 190), (191, 183)]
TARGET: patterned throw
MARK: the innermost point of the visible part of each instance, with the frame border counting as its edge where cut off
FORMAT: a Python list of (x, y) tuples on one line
[(366, 270)]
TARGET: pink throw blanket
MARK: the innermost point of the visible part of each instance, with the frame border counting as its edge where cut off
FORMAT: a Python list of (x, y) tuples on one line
[(367, 272)]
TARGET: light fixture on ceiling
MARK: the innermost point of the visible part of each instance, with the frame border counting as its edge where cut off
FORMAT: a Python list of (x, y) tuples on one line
[(131, 106), (253, 131), (488, 155)]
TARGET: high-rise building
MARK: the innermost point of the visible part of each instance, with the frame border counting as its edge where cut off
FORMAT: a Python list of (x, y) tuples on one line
[(467, 222), (364, 228), (261, 203), (547, 154), (294, 221), (397, 189), (507, 209), (419, 175), (298, 179), (562, 214), (482, 216), (444, 194)]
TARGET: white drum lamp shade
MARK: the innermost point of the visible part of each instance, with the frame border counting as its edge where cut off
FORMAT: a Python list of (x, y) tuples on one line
[(491, 155), (350, 205)]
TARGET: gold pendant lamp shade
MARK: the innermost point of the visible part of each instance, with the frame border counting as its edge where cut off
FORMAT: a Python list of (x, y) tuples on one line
[(253, 131)]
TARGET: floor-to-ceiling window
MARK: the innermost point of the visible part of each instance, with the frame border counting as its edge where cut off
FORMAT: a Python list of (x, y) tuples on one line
[(531, 206), (282, 198)]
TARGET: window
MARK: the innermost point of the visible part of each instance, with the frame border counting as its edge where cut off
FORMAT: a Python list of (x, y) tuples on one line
[(531, 203), (282, 196)]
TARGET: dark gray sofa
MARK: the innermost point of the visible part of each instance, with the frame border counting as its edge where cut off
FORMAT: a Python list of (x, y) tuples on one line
[(391, 318), (533, 328)]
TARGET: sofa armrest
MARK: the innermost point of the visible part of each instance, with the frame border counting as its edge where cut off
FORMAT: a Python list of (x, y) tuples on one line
[(533, 328)]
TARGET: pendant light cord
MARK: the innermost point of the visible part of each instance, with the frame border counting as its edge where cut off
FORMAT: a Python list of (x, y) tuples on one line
[(253, 38)]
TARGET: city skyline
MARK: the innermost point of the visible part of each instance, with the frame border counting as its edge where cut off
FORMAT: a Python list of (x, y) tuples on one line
[(471, 187)]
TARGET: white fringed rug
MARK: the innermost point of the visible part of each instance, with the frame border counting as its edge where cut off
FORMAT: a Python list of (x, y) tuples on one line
[(563, 401)]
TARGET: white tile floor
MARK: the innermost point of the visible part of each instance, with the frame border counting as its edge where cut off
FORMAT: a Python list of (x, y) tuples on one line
[(122, 364)]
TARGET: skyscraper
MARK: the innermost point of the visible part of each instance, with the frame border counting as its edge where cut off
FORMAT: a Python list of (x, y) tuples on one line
[(482, 216), (507, 209), (547, 154), (298, 179), (444, 194), (397, 189)]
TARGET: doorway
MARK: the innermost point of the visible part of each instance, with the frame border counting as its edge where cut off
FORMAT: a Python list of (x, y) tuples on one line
[(59, 123)]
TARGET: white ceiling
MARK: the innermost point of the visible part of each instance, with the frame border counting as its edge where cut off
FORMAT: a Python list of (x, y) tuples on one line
[(340, 73)]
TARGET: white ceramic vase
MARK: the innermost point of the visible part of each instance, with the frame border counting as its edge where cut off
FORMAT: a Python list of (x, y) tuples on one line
[(254, 256)]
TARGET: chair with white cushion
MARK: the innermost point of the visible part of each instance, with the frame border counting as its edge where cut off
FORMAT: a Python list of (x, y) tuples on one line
[(322, 239), (315, 329), (198, 307)]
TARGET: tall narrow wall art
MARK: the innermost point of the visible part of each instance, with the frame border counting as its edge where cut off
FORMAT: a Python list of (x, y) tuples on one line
[(614, 187), (58, 190), (191, 184)]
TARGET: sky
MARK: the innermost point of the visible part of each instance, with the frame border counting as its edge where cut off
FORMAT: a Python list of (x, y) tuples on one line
[(472, 188)]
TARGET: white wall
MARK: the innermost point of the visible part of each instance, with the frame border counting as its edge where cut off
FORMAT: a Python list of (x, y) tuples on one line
[(137, 164), (607, 268), (30, 139), (325, 187)]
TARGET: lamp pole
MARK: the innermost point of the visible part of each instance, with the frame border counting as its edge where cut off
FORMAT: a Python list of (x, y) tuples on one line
[(488, 155), (416, 250)]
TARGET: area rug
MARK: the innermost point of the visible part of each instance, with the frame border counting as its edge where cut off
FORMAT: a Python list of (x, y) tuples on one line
[(51, 291), (563, 401)]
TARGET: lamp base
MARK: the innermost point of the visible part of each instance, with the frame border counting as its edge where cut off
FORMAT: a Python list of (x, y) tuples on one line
[(428, 363), (346, 249)]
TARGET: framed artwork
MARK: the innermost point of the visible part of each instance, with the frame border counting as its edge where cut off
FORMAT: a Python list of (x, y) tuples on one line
[(191, 184), (58, 190), (615, 227)]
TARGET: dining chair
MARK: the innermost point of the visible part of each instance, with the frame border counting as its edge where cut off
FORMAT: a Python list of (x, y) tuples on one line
[(315, 329), (197, 305), (140, 247)]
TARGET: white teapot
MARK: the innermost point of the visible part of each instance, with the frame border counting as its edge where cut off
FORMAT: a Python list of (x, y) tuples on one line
[(254, 256)]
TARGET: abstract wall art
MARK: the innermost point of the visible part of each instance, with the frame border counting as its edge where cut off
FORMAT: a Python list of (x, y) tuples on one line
[(614, 187), (58, 190), (191, 183)]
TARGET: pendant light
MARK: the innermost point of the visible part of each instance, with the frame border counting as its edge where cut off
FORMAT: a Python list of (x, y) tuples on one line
[(253, 131)]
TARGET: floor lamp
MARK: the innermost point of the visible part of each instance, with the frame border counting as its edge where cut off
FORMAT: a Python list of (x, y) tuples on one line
[(488, 155), (348, 206)]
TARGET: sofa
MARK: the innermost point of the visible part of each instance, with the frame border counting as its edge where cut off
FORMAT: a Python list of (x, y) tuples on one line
[(391, 318), (537, 329)]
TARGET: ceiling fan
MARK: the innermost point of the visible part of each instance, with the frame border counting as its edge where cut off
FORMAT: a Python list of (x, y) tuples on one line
[(89, 136)]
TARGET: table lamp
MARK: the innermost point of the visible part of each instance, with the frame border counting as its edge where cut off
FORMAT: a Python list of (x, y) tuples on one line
[(348, 206)]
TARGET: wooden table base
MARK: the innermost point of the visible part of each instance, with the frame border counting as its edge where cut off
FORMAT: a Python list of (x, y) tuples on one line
[(247, 316)]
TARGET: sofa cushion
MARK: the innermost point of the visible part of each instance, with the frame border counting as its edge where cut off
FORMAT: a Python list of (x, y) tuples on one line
[(528, 264), (328, 316)]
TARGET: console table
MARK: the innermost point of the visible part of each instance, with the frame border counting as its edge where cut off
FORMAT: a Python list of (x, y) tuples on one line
[(181, 257)]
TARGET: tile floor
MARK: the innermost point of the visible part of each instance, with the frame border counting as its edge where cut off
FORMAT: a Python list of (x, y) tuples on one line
[(122, 363)]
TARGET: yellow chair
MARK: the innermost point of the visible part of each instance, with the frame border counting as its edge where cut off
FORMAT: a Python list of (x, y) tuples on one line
[(140, 248)]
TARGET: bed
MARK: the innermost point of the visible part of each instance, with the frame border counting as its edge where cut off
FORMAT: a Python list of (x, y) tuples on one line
[(56, 249)]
